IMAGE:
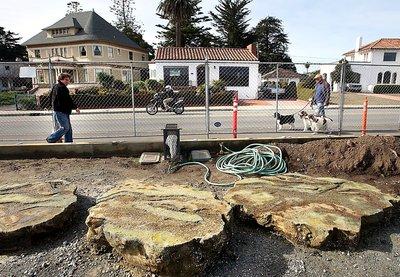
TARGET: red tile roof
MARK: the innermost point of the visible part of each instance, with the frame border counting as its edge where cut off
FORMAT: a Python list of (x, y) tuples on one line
[(282, 74), (201, 53), (383, 43)]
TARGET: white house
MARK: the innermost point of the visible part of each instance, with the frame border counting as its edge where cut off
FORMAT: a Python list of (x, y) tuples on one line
[(185, 66), (377, 62)]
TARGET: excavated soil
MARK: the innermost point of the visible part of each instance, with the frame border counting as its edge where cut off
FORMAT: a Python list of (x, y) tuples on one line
[(252, 251), (373, 160)]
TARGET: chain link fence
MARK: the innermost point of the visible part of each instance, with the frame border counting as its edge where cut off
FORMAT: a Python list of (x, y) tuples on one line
[(125, 99)]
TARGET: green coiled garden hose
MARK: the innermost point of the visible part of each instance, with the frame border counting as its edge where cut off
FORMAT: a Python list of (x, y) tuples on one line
[(261, 159)]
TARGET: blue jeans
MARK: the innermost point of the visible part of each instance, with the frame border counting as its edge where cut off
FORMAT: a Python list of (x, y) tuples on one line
[(320, 110), (64, 129)]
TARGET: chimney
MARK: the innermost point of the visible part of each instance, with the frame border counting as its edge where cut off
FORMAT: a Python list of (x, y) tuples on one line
[(253, 49), (358, 44)]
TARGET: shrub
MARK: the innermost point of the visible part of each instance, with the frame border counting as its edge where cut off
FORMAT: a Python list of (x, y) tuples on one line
[(7, 98), (153, 85), (217, 86), (386, 89), (106, 80), (27, 103), (201, 89), (139, 87), (88, 91)]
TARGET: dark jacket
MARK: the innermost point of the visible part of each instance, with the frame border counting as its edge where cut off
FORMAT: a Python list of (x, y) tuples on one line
[(61, 100)]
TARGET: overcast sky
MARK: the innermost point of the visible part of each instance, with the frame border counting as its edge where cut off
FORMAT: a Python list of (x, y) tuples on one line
[(319, 30)]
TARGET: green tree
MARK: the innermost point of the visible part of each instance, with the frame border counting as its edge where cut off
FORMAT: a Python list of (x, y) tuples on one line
[(74, 7), (194, 31), (232, 23), (127, 23), (10, 50), (351, 76), (272, 44), (177, 12)]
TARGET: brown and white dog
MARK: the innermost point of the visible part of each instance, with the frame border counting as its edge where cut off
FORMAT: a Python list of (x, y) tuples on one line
[(306, 120), (320, 124)]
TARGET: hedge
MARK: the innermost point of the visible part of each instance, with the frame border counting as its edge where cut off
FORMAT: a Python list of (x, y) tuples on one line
[(108, 101), (386, 89)]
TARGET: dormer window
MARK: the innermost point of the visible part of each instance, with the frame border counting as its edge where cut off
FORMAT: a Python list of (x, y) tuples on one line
[(37, 53), (58, 32), (97, 50), (82, 51)]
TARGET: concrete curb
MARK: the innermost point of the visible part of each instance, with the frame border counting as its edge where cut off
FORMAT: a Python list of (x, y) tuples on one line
[(134, 149)]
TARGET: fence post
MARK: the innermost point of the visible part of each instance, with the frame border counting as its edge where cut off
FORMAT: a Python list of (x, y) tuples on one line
[(207, 83), (133, 103), (50, 75), (277, 97), (342, 92)]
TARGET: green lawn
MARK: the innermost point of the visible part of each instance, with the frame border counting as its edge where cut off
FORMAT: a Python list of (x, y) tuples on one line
[(7, 98), (304, 93)]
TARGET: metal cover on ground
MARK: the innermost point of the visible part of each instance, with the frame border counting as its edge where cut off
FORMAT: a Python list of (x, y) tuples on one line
[(200, 156), (150, 158)]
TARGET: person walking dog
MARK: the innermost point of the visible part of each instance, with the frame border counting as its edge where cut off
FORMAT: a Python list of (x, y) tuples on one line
[(62, 106), (320, 95)]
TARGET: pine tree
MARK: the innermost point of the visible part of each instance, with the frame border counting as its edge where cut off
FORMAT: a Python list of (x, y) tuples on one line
[(127, 23), (193, 30), (230, 20), (272, 44), (10, 50)]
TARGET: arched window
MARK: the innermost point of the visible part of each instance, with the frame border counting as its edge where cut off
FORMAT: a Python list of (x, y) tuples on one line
[(379, 78), (386, 77), (394, 78)]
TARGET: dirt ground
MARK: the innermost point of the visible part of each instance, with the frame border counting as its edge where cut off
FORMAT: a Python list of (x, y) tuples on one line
[(252, 250)]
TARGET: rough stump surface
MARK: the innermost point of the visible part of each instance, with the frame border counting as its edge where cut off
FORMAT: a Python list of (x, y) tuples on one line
[(33, 208), (317, 212), (171, 230)]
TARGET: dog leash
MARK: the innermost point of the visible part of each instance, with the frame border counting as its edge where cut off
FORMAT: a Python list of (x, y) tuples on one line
[(308, 103)]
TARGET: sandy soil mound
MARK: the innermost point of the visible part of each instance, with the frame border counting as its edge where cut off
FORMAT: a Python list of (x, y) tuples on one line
[(366, 155)]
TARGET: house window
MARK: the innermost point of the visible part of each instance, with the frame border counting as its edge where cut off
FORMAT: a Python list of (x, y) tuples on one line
[(119, 51), (389, 57), (53, 53), (143, 57), (37, 53), (126, 76), (82, 51), (62, 52), (7, 68), (394, 78), (110, 52), (131, 55), (234, 76), (85, 76), (379, 81), (386, 77), (65, 52), (97, 50)]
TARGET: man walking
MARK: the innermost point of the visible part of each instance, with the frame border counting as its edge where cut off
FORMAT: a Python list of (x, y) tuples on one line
[(62, 106), (320, 95)]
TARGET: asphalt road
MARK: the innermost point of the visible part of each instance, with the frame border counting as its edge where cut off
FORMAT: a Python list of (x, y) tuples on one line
[(254, 120)]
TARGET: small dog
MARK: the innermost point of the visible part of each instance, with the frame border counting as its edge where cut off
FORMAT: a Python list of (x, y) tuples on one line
[(306, 120), (319, 124), (284, 119)]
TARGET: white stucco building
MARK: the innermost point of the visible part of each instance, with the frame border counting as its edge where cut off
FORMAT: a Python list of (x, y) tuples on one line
[(184, 66), (377, 62)]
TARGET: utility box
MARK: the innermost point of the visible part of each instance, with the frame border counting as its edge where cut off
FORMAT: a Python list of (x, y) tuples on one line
[(171, 133)]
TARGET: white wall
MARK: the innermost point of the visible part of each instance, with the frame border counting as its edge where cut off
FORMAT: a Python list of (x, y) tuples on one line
[(377, 57), (247, 92)]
